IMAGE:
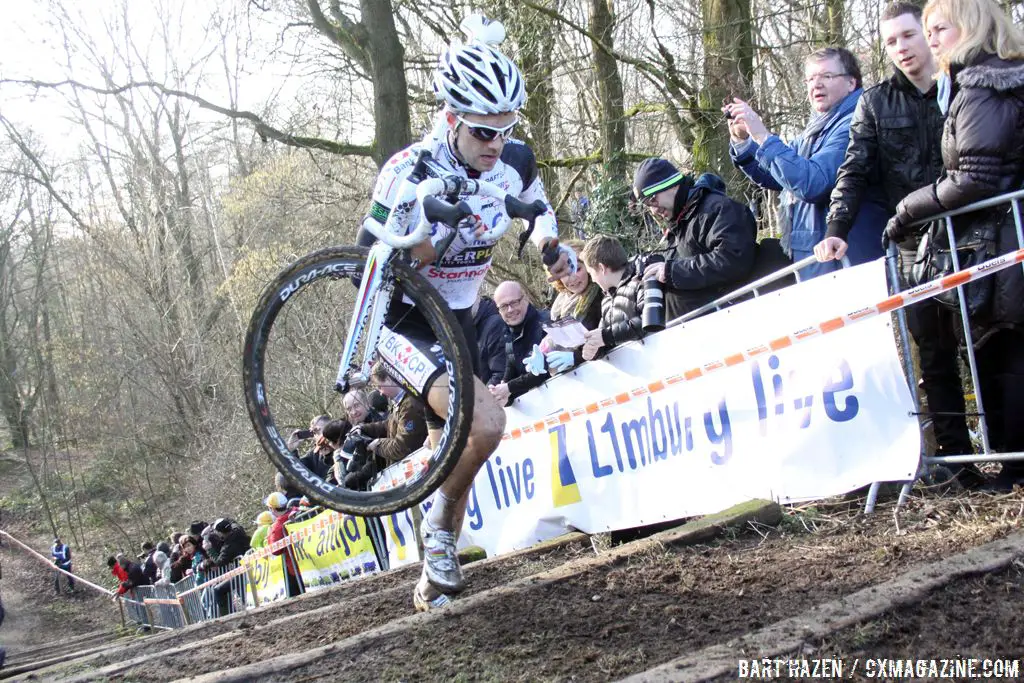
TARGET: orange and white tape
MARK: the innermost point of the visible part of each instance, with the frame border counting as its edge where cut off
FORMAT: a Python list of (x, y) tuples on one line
[(892, 303)]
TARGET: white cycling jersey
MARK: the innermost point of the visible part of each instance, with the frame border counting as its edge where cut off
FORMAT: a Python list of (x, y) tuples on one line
[(464, 265)]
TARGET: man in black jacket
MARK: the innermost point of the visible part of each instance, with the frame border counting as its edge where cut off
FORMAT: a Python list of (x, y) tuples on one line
[(712, 239), (523, 330), (236, 544), (895, 148)]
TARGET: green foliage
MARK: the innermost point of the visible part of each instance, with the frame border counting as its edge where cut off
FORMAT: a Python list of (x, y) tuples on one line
[(612, 212)]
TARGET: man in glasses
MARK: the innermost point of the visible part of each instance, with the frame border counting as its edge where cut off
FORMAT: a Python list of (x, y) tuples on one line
[(524, 329), (711, 238), (804, 170), (481, 92)]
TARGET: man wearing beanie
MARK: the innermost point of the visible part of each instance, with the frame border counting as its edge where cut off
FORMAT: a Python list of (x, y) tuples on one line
[(711, 238)]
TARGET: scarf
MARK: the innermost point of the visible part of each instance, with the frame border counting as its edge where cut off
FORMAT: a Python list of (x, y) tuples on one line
[(945, 83), (786, 199)]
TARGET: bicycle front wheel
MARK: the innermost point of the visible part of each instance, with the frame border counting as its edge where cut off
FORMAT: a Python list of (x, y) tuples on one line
[(290, 362)]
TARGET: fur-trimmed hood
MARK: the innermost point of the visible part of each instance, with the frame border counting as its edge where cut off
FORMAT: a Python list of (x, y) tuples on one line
[(993, 72)]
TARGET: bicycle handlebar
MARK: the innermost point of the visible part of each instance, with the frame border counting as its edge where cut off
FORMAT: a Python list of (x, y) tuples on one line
[(439, 211), (425, 192)]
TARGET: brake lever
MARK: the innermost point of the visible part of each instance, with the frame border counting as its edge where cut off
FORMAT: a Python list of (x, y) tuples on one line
[(524, 237)]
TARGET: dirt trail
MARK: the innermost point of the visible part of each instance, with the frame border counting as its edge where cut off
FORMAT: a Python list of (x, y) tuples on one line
[(612, 621), (568, 614), (22, 624)]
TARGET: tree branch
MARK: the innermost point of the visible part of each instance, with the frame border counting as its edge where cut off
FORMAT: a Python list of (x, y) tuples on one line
[(263, 129), (346, 34), (589, 160)]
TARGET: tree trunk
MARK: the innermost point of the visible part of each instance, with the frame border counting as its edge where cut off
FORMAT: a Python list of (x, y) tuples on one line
[(728, 72), (609, 87), (387, 70), (828, 29)]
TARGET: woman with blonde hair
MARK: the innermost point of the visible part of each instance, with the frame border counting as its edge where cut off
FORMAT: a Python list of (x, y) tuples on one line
[(981, 89)]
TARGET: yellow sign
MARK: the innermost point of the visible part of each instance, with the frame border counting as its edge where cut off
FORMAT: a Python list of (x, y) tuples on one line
[(330, 548), (268, 573)]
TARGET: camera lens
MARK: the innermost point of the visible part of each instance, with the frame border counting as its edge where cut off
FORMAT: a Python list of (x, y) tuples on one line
[(653, 317)]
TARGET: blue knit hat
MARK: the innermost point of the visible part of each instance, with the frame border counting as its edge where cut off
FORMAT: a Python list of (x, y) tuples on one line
[(654, 175)]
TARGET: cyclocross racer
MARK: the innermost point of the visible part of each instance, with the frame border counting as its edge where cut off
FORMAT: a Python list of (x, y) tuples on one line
[(482, 91)]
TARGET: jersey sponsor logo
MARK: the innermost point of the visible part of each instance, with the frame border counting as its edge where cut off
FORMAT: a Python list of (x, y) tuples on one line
[(414, 367), (468, 257), (440, 274), (379, 212)]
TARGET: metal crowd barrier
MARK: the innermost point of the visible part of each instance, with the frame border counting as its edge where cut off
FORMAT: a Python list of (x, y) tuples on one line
[(134, 608), (180, 604), (754, 288), (227, 597), (191, 603), (1013, 199)]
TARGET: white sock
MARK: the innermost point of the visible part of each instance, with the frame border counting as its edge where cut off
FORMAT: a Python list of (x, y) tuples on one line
[(442, 512)]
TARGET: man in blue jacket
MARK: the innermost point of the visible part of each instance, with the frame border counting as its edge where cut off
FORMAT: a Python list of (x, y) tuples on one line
[(804, 171)]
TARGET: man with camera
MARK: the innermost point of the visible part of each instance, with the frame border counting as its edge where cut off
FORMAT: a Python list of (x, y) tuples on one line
[(711, 238), (373, 445), (319, 459), (804, 170)]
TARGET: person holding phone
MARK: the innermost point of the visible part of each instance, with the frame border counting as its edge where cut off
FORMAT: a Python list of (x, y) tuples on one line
[(804, 170)]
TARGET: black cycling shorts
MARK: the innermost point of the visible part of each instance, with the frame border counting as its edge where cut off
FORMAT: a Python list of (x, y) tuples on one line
[(410, 351)]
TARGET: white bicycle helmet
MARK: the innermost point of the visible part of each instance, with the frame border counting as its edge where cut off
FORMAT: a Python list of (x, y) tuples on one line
[(474, 77)]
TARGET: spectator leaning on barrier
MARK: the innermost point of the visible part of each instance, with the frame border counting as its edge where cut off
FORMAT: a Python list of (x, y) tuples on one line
[(134, 573), (578, 295), (711, 238), (118, 572), (262, 522), (578, 298), (163, 568), (146, 561), (235, 544), (981, 87), (490, 333), (61, 555), (804, 171), (183, 564), (523, 330), (895, 148), (622, 306)]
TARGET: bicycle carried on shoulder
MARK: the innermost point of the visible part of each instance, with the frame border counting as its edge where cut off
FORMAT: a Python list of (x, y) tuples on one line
[(293, 332)]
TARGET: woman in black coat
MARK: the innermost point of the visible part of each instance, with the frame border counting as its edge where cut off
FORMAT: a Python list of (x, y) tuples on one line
[(981, 57)]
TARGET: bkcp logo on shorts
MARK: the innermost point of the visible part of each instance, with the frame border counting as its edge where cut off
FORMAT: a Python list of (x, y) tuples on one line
[(413, 366)]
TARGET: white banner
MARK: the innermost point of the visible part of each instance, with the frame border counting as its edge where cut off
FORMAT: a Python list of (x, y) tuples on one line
[(821, 418)]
